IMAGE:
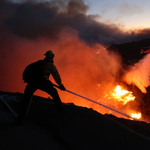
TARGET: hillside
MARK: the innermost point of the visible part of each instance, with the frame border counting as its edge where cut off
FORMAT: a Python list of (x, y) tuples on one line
[(131, 51), (74, 128)]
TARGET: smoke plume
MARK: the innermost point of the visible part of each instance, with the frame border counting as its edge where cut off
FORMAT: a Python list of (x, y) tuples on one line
[(139, 74), (33, 19), (29, 28)]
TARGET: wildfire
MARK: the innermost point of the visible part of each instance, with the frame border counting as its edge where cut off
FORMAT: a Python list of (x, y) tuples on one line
[(123, 95), (136, 115)]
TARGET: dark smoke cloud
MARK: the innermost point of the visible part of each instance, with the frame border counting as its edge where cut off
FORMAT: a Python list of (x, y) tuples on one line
[(29, 27), (32, 19)]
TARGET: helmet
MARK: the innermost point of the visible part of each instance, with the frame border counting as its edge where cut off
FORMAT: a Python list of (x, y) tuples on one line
[(49, 54)]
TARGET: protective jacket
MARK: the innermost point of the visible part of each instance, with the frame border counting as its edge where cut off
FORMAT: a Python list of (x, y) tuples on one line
[(50, 69)]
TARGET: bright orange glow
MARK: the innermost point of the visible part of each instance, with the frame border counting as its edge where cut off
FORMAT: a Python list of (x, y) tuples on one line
[(81, 68), (120, 97), (136, 115), (123, 95)]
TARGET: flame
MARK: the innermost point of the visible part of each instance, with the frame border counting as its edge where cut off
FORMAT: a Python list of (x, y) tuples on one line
[(136, 115), (123, 95)]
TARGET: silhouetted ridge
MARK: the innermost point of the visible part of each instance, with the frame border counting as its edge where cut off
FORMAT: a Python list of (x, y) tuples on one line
[(131, 51)]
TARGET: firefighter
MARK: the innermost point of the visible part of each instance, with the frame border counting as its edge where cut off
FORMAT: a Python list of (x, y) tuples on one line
[(43, 83)]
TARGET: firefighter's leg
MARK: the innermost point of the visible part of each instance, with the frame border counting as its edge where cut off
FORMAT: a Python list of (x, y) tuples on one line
[(48, 88), (25, 104)]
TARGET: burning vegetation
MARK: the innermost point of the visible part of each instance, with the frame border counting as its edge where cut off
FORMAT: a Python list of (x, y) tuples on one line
[(120, 97)]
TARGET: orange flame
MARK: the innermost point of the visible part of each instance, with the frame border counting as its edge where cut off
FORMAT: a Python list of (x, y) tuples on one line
[(136, 115), (123, 95)]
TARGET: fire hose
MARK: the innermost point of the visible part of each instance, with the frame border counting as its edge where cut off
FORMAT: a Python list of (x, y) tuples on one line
[(9, 108), (128, 116)]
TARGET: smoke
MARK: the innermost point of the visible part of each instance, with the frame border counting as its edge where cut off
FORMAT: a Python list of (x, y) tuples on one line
[(128, 10), (33, 19), (29, 28), (86, 70), (139, 74), (82, 68)]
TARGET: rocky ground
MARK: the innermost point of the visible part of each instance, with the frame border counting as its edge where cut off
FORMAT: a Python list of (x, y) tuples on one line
[(74, 128)]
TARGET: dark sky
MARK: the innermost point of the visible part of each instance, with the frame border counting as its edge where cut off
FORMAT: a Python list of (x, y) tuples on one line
[(31, 19)]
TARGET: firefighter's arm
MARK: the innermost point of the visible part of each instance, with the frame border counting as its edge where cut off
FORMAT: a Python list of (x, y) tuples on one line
[(57, 78)]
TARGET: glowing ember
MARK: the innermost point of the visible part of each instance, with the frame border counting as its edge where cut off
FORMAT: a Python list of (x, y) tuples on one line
[(136, 115), (123, 95)]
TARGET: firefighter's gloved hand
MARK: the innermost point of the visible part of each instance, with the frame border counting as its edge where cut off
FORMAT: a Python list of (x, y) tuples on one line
[(62, 87)]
